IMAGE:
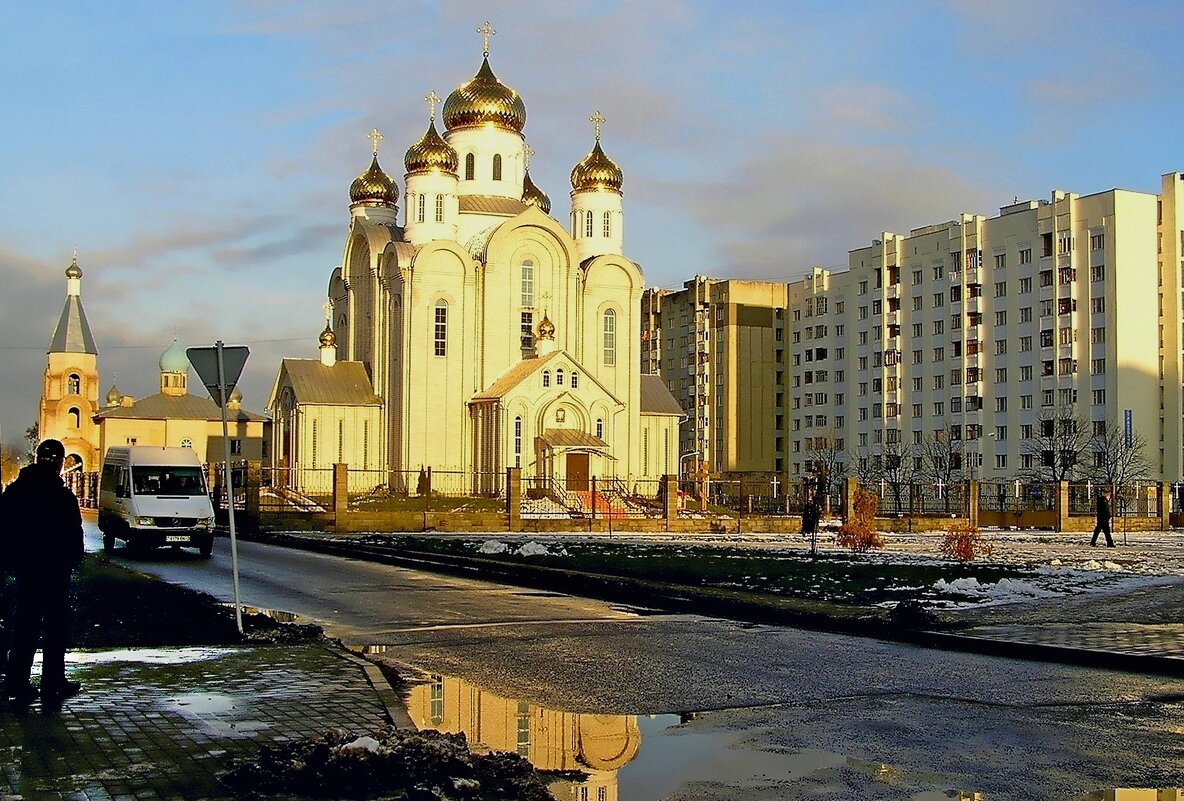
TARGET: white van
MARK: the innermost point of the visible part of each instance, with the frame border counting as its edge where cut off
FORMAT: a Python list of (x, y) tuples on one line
[(151, 496)]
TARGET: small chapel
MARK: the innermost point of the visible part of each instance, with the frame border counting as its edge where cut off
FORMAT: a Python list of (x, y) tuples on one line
[(495, 335)]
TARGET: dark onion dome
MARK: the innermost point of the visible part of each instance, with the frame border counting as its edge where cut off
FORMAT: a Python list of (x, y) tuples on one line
[(74, 271), (431, 154), (485, 99), (114, 396), (597, 172), (373, 188), (533, 196), (328, 339)]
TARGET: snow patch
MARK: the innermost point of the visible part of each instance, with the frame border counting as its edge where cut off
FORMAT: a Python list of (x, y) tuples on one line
[(363, 743), (493, 546)]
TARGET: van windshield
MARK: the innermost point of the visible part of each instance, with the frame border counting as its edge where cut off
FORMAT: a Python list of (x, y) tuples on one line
[(167, 480)]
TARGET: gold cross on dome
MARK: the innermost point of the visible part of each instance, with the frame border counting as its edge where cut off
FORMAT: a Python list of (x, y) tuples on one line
[(486, 31), (375, 138), (528, 151), (597, 120), (433, 100)]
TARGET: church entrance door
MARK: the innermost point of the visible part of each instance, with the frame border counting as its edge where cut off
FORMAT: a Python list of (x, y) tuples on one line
[(577, 472)]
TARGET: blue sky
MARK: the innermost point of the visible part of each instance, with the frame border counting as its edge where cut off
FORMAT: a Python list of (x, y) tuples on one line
[(199, 155)]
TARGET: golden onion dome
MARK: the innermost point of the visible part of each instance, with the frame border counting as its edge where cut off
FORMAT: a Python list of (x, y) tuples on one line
[(533, 196), (482, 100), (328, 338), (74, 271), (596, 173), (373, 188), (431, 154), (546, 328)]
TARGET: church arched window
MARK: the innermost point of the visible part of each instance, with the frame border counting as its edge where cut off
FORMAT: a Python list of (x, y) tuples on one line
[(600, 427), (75, 417), (546, 378), (575, 380), (608, 225), (528, 284), (588, 224), (440, 332), (439, 208), (497, 166), (559, 377), (470, 166), (186, 443), (610, 338), (517, 441), (419, 208), (74, 384)]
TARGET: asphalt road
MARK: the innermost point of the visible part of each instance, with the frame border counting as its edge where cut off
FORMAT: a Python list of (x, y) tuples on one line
[(789, 714)]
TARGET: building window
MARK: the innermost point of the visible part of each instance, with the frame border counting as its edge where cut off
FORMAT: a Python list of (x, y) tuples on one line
[(419, 208), (470, 166), (527, 329), (517, 441), (497, 166), (528, 284), (588, 224), (75, 417), (559, 377), (575, 380), (546, 378), (600, 428), (441, 328), (439, 208), (186, 443), (74, 384), (236, 447), (610, 338), (608, 225)]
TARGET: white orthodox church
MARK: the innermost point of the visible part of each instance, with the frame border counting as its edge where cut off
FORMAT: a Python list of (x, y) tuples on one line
[(494, 335)]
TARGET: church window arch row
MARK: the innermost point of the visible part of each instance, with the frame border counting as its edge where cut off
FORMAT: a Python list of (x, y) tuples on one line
[(470, 166), (74, 384), (497, 166)]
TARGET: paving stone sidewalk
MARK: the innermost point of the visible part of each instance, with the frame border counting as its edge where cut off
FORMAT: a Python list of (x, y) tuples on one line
[(163, 723)]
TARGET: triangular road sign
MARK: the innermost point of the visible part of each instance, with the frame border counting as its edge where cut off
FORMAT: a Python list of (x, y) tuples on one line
[(205, 362)]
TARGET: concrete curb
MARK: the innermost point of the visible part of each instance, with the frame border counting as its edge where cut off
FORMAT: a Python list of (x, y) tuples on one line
[(391, 700)]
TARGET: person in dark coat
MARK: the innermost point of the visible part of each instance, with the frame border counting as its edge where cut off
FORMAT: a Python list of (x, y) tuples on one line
[(1103, 524), (44, 543), (811, 509)]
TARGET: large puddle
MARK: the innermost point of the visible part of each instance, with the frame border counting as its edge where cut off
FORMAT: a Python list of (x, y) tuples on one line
[(651, 758)]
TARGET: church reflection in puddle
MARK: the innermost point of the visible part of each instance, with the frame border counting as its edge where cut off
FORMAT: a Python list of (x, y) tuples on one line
[(596, 745), (679, 752)]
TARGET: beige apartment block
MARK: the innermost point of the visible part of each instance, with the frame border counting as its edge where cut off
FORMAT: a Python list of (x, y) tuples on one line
[(720, 346), (979, 326)]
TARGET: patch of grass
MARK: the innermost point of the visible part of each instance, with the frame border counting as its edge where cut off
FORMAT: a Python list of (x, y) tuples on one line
[(117, 607), (835, 578)]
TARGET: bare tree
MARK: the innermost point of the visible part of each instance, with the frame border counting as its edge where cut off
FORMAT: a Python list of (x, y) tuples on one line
[(10, 463), (825, 455), (32, 438), (943, 460), (864, 468), (1117, 463), (898, 471), (1059, 440)]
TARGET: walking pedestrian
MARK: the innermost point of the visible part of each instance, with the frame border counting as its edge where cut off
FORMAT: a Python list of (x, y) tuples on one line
[(811, 509), (1103, 523), (43, 533)]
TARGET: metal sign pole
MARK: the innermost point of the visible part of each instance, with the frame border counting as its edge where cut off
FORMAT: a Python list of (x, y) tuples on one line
[(238, 609)]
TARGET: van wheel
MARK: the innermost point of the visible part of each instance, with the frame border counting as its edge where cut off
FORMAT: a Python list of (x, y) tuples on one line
[(108, 543), (206, 548)]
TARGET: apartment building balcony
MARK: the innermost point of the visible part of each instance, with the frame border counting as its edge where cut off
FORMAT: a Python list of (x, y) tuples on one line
[(893, 291)]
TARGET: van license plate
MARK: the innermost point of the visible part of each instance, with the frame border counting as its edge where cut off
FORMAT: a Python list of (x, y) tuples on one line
[(176, 538)]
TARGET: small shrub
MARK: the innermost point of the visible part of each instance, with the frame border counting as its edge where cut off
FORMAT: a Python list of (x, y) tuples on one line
[(858, 533), (965, 542)]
